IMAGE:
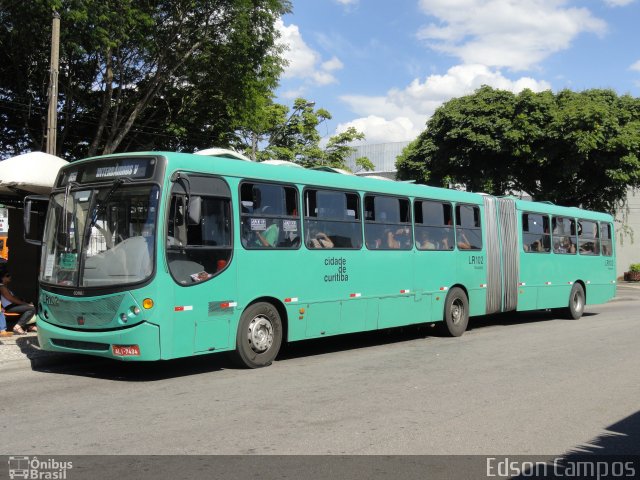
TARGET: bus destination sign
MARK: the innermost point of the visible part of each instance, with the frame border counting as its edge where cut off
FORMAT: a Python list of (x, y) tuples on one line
[(107, 169), (133, 168)]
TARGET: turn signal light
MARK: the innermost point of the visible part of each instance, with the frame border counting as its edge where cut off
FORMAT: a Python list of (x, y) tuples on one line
[(147, 303)]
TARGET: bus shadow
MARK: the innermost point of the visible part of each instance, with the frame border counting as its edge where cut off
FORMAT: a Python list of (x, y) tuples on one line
[(519, 318), (108, 369), (412, 332)]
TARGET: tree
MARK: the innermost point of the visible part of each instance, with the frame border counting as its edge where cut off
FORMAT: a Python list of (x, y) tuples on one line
[(293, 135), (572, 148), (166, 74)]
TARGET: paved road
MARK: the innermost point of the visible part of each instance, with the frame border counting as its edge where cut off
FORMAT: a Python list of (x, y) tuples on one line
[(519, 384)]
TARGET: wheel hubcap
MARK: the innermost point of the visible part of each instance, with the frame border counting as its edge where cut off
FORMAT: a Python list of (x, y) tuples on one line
[(260, 334), (577, 302), (457, 311)]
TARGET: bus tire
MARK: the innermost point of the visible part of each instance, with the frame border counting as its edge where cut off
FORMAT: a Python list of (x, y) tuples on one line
[(259, 336), (575, 309), (456, 312)]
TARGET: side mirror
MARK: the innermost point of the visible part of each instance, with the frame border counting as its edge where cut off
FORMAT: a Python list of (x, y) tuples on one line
[(35, 207), (194, 209)]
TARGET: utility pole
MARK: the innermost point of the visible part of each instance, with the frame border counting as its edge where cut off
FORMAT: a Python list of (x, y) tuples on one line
[(52, 118)]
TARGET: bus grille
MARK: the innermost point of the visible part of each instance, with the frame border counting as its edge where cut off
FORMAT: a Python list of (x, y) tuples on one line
[(78, 345), (95, 313)]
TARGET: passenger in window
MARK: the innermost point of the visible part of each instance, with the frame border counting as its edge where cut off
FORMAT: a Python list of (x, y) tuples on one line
[(319, 239), (425, 242), (536, 246), (586, 248), (403, 236), (392, 242), (444, 243), (565, 245), (463, 242), (374, 244), (268, 237)]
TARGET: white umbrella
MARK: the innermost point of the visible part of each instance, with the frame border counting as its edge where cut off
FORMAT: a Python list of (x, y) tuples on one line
[(33, 172)]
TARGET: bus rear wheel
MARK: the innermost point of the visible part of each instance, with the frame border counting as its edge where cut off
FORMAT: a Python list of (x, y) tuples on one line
[(259, 336), (575, 309), (456, 312)]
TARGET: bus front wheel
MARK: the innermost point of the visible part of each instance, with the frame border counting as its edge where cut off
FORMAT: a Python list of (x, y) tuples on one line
[(259, 335), (456, 312), (575, 309)]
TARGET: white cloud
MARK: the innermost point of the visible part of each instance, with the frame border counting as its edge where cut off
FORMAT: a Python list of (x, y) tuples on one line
[(402, 114), (304, 62), (347, 2), (635, 66), (333, 64), (618, 3), (505, 33)]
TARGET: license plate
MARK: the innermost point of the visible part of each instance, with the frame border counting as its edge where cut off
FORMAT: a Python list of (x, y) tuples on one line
[(126, 350)]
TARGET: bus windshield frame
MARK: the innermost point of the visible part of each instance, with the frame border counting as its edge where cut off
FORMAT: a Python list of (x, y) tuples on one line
[(106, 241)]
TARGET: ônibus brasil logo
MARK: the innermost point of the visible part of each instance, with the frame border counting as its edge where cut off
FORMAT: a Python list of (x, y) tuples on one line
[(33, 468)]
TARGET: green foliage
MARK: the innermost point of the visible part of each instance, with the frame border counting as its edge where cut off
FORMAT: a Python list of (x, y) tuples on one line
[(634, 267), (137, 75), (572, 148), (294, 136), (365, 164)]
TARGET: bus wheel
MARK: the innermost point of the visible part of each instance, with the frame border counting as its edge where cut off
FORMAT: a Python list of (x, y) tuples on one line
[(576, 302), (456, 312), (259, 336)]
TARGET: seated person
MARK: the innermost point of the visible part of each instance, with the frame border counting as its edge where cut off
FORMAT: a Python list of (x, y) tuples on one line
[(446, 243), (536, 246), (391, 240), (3, 327), (586, 248), (12, 304), (403, 236), (463, 242), (320, 240), (426, 243), (268, 237), (374, 244)]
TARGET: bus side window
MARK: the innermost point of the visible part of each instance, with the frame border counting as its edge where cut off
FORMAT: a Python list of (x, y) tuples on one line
[(536, 237), (588, 238), (564, 237), (199, 236), (606, 239), (332, 219), (433, 222), (269, 216), (468, 229), (388, 223)]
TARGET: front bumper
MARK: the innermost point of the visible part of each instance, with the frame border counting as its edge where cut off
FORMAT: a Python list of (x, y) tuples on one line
[(56, 339)]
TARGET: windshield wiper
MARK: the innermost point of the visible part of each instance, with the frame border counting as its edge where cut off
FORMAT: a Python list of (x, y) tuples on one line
[(65, 216), (101, 205)]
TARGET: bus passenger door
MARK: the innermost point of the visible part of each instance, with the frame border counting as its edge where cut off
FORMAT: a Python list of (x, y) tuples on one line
[(199, 256)]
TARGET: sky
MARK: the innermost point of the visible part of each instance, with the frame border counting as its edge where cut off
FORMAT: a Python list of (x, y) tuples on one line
[(384, 66)]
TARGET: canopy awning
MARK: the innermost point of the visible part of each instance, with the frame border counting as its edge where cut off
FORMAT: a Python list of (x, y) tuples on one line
[(33, 172)]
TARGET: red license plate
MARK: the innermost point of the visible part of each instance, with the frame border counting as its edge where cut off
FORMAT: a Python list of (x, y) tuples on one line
[(126, 350)]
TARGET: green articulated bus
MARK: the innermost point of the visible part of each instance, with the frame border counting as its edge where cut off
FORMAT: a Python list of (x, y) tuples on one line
[(160, 255)]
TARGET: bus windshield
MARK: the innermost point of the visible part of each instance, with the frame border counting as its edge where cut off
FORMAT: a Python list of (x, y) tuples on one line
[(100, 237)]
